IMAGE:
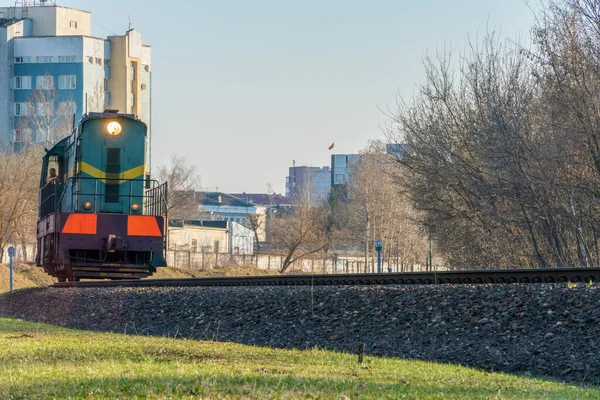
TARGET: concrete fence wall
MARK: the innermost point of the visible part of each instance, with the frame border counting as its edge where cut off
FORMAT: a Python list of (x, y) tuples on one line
[(274, 262)]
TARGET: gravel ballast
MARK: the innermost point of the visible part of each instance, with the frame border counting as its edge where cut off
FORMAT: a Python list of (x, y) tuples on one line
[(541, 329)]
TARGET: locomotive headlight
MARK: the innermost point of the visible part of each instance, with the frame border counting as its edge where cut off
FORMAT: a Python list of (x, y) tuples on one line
[(113, 128), (135, 206), (87, 204)]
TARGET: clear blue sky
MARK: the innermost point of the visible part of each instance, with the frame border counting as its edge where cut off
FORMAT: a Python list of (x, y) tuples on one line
[(242, 88)]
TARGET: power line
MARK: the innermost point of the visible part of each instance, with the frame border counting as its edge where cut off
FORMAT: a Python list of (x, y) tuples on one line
[(103, 27)]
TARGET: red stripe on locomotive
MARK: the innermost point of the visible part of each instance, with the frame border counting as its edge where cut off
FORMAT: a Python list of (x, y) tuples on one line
[(84, 224)]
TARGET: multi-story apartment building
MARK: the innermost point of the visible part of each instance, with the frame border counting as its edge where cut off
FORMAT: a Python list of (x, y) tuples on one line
[(314, 179), (396, 150), (52, 71), (341, 167)]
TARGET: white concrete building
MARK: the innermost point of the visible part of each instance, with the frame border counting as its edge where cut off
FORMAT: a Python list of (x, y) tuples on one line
[(220, 237), (48, 47), (218, 206)]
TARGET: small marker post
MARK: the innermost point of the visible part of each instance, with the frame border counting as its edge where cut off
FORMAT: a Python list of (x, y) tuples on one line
[(378, 247), (11, 254)]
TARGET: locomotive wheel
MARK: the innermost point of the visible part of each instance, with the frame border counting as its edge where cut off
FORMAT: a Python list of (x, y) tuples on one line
[(73, 278)]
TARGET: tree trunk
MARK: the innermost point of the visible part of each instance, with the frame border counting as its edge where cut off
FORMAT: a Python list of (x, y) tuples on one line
[(286, 263)]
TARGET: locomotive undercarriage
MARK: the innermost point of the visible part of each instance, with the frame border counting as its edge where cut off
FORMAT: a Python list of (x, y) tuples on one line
[(94, 264), (75, 273), (102, 255)]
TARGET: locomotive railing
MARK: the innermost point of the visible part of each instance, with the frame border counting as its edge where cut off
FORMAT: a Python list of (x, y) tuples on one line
[(153, 201), (49, 198), (156, 200)]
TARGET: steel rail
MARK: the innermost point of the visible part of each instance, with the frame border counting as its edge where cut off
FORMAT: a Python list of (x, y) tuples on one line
[(496, 276)]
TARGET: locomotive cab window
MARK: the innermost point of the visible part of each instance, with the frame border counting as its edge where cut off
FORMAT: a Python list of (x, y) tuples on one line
[(53, 171), (113, 170)]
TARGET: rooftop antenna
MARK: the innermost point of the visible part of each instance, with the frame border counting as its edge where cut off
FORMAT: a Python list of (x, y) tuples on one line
[(34, 3), (129, 17)]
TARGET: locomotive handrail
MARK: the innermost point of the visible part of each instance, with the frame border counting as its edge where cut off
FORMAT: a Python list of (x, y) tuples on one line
[(45, 197), (153, 200)]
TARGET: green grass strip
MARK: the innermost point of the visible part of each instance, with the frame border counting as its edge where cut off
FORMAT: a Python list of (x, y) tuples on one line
[(43, 361)]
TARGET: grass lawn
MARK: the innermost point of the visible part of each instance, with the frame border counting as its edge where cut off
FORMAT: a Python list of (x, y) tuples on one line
[(43, 361)]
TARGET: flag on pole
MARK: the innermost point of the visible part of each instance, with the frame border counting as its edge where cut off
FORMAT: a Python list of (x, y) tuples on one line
[(331, 147)]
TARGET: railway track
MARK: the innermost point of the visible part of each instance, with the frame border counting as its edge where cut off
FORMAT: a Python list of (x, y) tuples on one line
[(535, 275)]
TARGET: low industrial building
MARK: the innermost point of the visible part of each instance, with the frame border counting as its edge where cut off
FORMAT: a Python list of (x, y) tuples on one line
[(219, 206), (218, 237)]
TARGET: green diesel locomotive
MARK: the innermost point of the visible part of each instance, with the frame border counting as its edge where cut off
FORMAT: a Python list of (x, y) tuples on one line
[(100, 215)]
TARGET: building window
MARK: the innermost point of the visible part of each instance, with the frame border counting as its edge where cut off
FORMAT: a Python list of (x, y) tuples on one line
[(23, 60), (22, 82), (146, 67), (73, 24), (132, 69), (20, 109), (44, 59), (99, 61), (194, 245), (106, 62), (106, 85), (66, 59), (45, 82), (132, 99), (20, 135), (67, 82), (90, 60)]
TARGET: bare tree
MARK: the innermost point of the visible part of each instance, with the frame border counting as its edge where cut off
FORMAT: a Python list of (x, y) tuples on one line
[(303, 233), (377, 209), (503, 151), (19, 180), (256, 222), (471, 155), (96, 98), (47, 114), (183, 182)]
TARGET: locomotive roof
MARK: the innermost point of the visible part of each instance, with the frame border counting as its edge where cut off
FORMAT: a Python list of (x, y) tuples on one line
[(108, 114), (58, 149)]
